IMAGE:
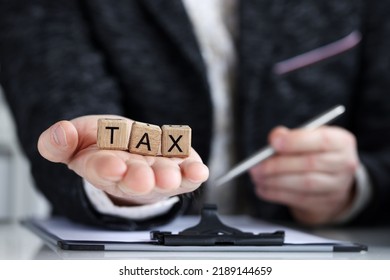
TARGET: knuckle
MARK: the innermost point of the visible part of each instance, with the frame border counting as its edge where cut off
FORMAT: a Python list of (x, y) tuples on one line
[(326, 140), (311, 162), (308, 182), (267, 167), (346, 138), (352, 164), (350, 139)]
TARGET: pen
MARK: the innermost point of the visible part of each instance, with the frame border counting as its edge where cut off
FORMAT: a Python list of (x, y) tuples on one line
[(268, 151)]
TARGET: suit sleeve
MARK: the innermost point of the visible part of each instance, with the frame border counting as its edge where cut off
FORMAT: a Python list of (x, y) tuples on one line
[(372, 113), (52, 69)]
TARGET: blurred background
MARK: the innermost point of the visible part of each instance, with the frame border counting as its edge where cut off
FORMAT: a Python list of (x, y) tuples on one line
[(18, 196)]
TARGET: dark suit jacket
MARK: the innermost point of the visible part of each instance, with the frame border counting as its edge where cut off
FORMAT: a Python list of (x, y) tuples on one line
[(66, 58)]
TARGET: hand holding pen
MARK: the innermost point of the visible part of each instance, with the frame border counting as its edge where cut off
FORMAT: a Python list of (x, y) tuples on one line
[(310, 169), (312, 172)]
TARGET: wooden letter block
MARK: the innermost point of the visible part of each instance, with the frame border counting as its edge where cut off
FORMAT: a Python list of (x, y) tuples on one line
[(113, 134), (145, 139), (176, 140)]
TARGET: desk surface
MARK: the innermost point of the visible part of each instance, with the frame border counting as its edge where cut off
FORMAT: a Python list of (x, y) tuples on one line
[(17, 242)]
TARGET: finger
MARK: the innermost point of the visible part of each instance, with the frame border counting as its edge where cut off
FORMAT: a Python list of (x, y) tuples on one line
[(302, 140), (312, 218), (302, 201), (310, 162), (179, 175), (59, 142), (324, 209), (311, 183), (139, 178), (167, 174), (194, 173), (87, 128), (102, 168)]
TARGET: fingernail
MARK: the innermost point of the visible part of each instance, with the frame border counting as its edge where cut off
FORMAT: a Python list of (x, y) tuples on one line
[(59, 136)]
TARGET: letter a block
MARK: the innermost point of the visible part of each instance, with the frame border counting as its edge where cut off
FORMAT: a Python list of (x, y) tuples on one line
[(176, 140), (113, 134), (145, 139)]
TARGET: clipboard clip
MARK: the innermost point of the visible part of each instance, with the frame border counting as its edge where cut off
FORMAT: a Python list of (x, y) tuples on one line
[(210, 231)]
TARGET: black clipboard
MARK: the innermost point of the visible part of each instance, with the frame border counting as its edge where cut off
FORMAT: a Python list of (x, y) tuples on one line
[(211, 231), (210, 234)]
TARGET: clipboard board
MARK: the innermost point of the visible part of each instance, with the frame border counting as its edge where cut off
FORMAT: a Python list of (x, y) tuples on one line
[(188, 234)]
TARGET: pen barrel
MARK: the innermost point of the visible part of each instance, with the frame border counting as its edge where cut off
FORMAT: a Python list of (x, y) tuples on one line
[(324, 118), (248, 163), (268, 151)]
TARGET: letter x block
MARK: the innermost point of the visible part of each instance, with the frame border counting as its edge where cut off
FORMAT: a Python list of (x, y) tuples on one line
[(176, 140), (113, 134), (145, 139)]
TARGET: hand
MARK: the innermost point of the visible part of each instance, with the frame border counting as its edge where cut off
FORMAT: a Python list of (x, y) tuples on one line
[(127, 178), (312, 172)]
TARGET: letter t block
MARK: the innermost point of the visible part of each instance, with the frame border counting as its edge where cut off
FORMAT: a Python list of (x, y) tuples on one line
[(176, 140), (113, 134), (145, 139)]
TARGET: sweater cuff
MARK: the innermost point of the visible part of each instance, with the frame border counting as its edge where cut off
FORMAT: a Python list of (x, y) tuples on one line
[(103, 204), (362, 197)]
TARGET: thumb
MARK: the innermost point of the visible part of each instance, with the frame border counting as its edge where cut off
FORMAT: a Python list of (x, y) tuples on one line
[(59, 142), (276, 137)]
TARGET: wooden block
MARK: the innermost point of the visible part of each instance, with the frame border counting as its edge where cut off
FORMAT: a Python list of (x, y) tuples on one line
[(113, 134), (176, 140), (145, 139)]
